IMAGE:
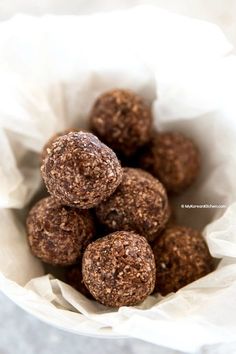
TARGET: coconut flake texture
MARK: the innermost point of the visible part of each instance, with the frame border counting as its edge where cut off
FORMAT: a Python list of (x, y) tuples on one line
[(52, 70)]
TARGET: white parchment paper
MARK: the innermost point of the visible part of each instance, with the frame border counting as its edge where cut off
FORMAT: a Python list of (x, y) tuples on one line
[(51, 70)]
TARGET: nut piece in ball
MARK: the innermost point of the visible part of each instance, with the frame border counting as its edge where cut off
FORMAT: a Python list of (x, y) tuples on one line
[(58, 234), (173, 159), (122, 120), (73, 277), (47, 146), (119, 269), (181, 256), (81, 171), (139, 204)]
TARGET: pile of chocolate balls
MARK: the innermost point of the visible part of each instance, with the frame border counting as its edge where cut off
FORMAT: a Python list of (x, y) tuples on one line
[(108, 218)]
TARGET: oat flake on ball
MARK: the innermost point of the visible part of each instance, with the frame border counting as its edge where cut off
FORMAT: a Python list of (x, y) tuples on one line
[(181, 256), (122, 120), (58, 234), (173, 159), (119, 269), (139, 204), (81, 171)]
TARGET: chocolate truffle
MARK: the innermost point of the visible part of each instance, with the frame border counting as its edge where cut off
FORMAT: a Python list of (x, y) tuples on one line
[(73, 277), (181, 256), (81, 171), (173, 159), (139, 204), (122, 120), (58, 234), (47, 146), (119, 269)]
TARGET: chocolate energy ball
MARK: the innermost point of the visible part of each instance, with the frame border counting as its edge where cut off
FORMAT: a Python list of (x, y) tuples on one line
[(119, 269), (181, 256), (58, 234), (73, 277), (81, 171), (122, 120), (47, 146), (139, 204), (173, 158)]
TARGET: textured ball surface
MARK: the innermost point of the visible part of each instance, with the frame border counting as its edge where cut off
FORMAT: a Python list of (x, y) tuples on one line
[(122, 120), (58, 234), (173, 159), (139, 204), (181, 256), (119, 269), (81, 171), (47, 146)]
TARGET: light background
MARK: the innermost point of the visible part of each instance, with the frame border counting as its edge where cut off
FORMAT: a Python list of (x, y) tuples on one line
[(20, 333), (222, 12)]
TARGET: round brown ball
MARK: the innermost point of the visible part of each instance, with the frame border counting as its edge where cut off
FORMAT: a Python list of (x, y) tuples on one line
[(122, 120), (173, 159), (139, 204), (81, 171), (47, 146), (181, 256), (119, 269), (58, 234), (73, 277)]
